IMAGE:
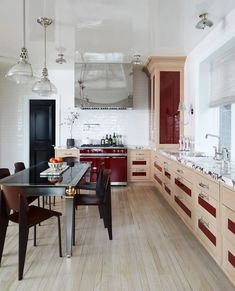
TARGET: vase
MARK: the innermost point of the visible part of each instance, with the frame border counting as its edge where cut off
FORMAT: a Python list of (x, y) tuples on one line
[(70, 142)]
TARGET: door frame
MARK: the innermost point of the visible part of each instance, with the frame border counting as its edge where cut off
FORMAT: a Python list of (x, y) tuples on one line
[(26, 122)]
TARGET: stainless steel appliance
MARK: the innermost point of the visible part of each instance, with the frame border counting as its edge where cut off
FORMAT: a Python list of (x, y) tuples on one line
[(114, 158)]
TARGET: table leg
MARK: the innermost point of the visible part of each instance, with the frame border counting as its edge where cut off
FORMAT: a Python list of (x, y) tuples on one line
[(4, 219), (69, 224)]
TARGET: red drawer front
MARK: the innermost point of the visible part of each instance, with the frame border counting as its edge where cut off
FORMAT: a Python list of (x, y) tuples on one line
[(231, 259), (183, 187), (182, 206), (167, 190), (168, 175), (157, 179), (211, 209), (139, 174), (206, 231), (139, 162), (231, 226), (158, 167)]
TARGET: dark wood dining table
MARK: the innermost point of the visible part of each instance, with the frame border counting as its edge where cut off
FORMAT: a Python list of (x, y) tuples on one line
[(61, 185)]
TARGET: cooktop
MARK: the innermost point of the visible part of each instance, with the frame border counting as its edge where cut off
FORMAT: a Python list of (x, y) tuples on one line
[(101, 146)]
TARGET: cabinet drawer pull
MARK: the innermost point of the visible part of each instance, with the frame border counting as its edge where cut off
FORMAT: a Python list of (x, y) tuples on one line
[(180, 171), (203, 196), (207, 224), (180, 198), (68, 154), (204, 185)]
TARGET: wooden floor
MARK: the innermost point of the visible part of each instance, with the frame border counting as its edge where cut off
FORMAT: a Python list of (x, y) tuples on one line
[(151, 250)]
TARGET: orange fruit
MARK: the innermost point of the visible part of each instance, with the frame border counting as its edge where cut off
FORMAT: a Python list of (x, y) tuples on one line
[(60, 160), (52, 160)]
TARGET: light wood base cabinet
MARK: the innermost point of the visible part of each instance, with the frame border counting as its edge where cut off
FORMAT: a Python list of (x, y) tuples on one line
[(205, 205), (138, 165)]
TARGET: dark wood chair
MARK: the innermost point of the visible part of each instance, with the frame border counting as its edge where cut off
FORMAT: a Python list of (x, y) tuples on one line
[(91, 186), (102, 199), (4, 172), (19, 166), (71, 159), (26, 216)]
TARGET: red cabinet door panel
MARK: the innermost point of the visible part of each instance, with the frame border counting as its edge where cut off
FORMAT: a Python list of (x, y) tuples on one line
[(211, 209), (157, 167), (139, 162), (182, 206), (231, 259), (183, 187), (169, 102), (168, 175), (231, 226), (167, 190), (207, 232), (157, 179), (138, 173)]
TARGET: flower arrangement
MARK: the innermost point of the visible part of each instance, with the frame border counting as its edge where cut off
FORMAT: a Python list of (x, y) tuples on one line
[(71, 120)]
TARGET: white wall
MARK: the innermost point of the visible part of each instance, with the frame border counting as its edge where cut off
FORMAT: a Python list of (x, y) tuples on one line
[(14, 116), (131, 124), (196, 85)]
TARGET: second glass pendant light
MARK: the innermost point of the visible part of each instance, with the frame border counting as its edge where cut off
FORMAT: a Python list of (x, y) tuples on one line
[(44, 87)]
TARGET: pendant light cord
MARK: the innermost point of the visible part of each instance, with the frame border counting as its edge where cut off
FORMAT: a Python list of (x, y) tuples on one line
[(24, 30), (45, 49)]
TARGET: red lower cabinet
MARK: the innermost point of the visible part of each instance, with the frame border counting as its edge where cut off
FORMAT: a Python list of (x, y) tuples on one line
[(181, 204), (228, 262), (231, 259), (183, 187), (158, 179), (206, 205), (204, 227)]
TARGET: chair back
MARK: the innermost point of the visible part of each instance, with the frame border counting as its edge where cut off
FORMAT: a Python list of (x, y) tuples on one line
[(4, 172), (12, 195), (103, 183), (19, 166), (99, 180), (71, 159)]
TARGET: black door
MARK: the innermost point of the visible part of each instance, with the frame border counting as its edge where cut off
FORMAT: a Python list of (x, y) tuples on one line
[(42, 130)]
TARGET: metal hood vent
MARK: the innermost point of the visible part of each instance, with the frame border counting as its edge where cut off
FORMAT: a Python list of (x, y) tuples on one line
[(104, 86)]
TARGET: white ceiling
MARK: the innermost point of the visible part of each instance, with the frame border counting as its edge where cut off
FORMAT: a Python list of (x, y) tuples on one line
[(148, 27)]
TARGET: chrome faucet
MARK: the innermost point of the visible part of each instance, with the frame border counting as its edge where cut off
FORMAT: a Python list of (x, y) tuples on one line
[(218, 151)]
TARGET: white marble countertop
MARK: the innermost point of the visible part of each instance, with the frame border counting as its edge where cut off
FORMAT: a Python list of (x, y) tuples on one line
[(219, 170)]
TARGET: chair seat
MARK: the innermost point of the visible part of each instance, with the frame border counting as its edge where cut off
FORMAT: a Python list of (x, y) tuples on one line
[(30, 199), (35, 215), (87, 199), (87, 186)]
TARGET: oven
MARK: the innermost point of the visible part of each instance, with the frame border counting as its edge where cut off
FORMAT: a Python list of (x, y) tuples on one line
[(114, 159)]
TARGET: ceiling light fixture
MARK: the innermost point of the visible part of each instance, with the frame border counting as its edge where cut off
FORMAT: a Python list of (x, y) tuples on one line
[(22, 72), (44, 87), (204, 22), (136, 60)]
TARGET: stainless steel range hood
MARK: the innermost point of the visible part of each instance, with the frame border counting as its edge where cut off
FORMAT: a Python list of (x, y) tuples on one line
[(104, 85)]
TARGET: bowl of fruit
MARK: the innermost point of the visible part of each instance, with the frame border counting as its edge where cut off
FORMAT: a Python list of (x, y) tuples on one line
[(55, 164)]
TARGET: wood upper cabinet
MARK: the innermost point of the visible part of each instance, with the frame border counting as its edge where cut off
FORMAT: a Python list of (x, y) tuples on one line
[(167, 85)]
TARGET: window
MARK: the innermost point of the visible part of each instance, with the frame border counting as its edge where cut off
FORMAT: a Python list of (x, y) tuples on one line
[(225, 126)]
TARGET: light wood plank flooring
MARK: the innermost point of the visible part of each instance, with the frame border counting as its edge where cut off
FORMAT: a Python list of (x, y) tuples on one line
[(151, 250)]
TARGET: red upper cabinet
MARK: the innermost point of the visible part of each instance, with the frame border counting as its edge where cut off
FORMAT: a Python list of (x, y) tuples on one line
[(167, 78), (169, 130)]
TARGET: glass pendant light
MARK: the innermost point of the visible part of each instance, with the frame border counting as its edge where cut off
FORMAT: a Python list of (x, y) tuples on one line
[(22, 72), (44, 87)]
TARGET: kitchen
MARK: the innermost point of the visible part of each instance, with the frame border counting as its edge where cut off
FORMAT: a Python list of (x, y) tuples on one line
[(194, 54)]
